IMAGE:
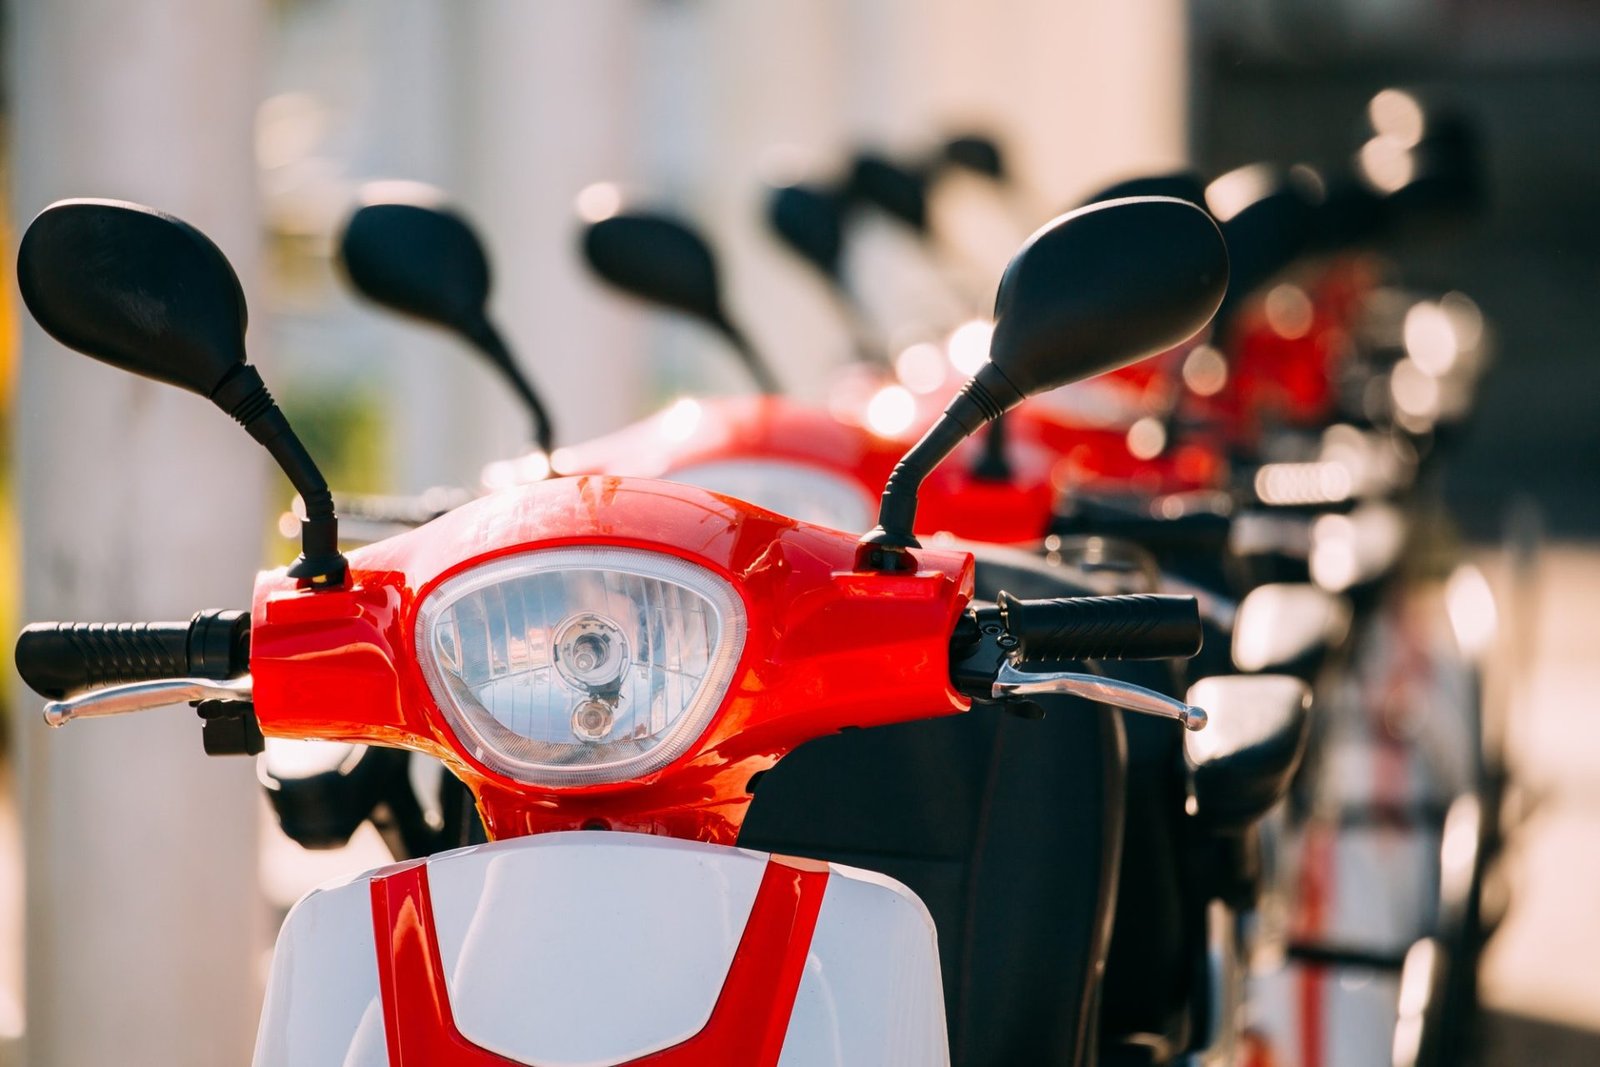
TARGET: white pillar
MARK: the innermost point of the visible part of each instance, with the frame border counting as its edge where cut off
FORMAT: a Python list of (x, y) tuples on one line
[(732, 93), (1082, 93), (408, 128), (139, 502), (544, 108)]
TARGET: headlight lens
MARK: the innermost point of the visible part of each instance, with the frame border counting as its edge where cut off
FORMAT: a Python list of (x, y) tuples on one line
[(579, 666), (802, 492)]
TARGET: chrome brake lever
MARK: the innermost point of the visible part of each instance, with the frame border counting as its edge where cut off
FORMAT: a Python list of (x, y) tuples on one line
[(1011, 682), (140, 696)]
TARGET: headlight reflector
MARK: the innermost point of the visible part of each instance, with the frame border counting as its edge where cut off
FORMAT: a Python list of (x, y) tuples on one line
[(580, 666)]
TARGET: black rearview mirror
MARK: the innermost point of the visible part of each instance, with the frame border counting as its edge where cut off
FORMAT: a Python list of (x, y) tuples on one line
[(150, 294), (417, 257), (809, 220), (665, 262), (1266, 220), (1184, 185), (404, 249), (1089, 292), (893, 189), (1103, 286), (977, 153), (658, 259), (134, 288)]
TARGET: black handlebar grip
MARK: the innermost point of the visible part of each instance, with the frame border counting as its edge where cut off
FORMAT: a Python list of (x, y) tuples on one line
[(56, 659), (1138, 626)]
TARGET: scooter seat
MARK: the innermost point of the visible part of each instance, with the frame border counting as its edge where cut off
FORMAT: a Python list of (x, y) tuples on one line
[(1288, 628), (1253, 742)]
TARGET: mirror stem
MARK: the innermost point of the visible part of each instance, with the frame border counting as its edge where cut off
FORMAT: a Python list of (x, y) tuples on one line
[(490, 343), (983, 399), (244, 396), (762, 374), (870, 350), (992, 465)]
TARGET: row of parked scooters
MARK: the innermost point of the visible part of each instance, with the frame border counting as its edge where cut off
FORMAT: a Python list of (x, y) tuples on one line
[(900, 797)]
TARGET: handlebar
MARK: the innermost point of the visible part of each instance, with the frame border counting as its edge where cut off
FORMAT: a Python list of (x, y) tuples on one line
[(1136, 626), (56, 659), (987, 649), (990, 644), (1200, 526)]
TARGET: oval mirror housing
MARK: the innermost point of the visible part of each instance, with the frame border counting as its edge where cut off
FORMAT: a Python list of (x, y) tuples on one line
[(977, 153), (1266, 219), (135, 288), (1345, 212), (405, 250), (893, 189), (1103, 286), (809, 221), (1437, 183), (1185, 185), (658, 259), (1088, 292), (150, 294)]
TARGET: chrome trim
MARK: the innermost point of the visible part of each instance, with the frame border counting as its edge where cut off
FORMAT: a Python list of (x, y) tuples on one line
[(141, 696), (1010, 682)]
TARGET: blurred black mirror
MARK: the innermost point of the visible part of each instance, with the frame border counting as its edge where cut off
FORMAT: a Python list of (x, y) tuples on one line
[(1434, 185), (892, 189), (1185, 185), (134, 288), (1103, 286), (418, 258), (976, 153), (1090, 291), (407, 251), (658, 259), (1267, 220), (1345, 212), (809, 220), (662, 260)]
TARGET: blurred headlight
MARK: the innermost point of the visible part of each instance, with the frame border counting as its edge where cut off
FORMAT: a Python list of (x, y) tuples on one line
[(580, 666), (793, 489)]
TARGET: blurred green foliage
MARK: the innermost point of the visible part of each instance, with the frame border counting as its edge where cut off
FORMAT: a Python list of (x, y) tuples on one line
[(346, 431)]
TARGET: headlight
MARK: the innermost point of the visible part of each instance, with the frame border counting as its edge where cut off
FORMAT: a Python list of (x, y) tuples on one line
[(793, 489), (578, 666)]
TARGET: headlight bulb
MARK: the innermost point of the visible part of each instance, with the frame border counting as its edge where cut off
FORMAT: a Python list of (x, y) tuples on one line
[(591, 652), (592, 719)]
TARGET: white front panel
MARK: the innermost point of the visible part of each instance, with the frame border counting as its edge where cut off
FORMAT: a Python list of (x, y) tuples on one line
[(588, 949), (1348, 1015), (871, 995), (323, 1004), (593, 949)]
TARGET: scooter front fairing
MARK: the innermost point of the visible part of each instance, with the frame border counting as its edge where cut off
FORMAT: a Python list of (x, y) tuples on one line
[(591, 950)]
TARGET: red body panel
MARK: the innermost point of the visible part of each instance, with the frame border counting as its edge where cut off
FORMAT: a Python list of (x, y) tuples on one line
[(826, 647), (747, 1026), (1047, 455), (772, 428), (1291, 377)]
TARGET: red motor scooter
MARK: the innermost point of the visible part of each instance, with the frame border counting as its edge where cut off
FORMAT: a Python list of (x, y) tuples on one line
[(603, 653)]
